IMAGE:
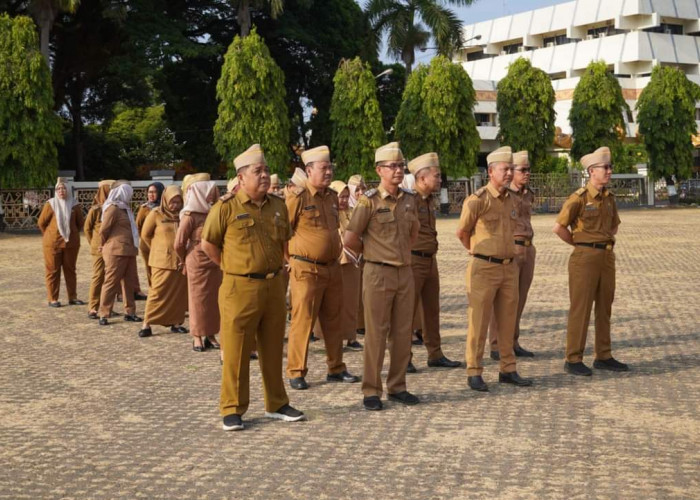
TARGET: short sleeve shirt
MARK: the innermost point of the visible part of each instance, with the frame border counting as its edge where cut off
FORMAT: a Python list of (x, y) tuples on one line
[(591, 215), (314, 219), (385, 224), (251, 237), (488, 216)]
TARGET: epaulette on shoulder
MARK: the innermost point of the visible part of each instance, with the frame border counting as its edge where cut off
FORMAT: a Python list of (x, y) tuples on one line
[(480, 191), (187, 212), (226, 197), (580, 191), (145, 204), (371, 193), (95, 207), (297, 190)]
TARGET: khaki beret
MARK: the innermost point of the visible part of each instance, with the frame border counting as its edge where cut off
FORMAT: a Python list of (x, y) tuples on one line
[(423, 161), (274, 179), (321, 153), (355, 180), (521, 158), (597, 157), (338, 186), (299, 177), (504, 154), (106, 182), (250, 156), (232, 184), (388, 152)]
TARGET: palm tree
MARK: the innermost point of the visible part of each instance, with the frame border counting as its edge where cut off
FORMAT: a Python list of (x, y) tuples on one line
[(410, 24), (244, 6), (45, 13)]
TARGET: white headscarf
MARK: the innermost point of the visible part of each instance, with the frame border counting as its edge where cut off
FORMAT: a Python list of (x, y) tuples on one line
[(198, 193), (62, 210), (120, 197), (409, 182)]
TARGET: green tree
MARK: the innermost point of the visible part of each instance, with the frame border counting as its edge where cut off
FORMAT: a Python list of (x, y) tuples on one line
[(31, 130), (357, 119), (667, 122), (526, 113), (437, 115), (244, 7), (597, 112), (252, 106), (402, 22)]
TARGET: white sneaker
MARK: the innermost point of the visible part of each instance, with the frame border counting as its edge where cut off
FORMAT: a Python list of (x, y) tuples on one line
[(286, 413)]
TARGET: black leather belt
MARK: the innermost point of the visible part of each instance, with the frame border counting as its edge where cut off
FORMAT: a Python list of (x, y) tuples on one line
[(259, 276), (380, 263), (493, 259), (422, 254), (310, 261), (524, 243), (599, 246)]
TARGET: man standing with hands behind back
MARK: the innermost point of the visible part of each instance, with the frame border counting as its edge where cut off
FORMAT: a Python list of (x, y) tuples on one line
[(486, 231)]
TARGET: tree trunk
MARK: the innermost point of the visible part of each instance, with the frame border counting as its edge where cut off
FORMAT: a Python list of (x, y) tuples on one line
[(243, 17), (76, 111), (44, 19)]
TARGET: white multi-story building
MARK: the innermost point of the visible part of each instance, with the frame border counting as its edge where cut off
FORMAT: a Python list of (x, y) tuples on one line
[(631, 36)]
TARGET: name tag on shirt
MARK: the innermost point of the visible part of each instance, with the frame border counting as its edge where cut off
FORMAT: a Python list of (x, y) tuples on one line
[(310, 207), (383, 210), (244, 215)]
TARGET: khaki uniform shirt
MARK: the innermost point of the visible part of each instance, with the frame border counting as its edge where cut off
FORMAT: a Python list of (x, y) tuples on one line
[(344, 216), (314, 219), (251, 237), (49, 228), (115, 233), (488, 216), (523, 200), (385, 224), (158, 240), (141, 215), (427, 234), (93, 222), (591, 214)]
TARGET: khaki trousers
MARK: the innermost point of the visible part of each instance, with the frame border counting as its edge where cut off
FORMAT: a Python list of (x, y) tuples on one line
[(361, 309), (591, 279), (389, 295), (427, 286), (117, 268), (251, 309), (54, 261), (525, 260), (351, 302), (98, 279), (133, 277), (492, 289), (317, 293)]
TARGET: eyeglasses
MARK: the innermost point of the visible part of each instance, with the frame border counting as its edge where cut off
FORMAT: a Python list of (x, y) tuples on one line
[(394, 166), (604, 167), (523, 170)]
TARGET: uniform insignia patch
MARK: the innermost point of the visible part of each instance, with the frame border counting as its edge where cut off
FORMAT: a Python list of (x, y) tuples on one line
[(581, 191), (310, 207), (244, 215), (512, 214), (480, 191), (371, 193), (383, 210)]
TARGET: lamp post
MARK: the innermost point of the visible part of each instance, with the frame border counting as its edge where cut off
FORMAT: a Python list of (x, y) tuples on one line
[(384, 73), (461, 46)]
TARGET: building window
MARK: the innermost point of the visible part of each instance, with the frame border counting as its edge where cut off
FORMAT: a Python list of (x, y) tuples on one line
[(669, 29), (485, 119), (603, 31), (475, 56), (551, 41), (512, 49)]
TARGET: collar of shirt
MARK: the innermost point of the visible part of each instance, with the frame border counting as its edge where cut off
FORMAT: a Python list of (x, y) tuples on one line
[(494, 191), (243, 197), (423, 196), (384, 193), (522, 190), (594, 192), (313, 191)]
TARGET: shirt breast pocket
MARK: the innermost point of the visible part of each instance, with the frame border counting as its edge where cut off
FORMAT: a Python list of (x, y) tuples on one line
[(311, 217), (244, 229), (491, 221), (386, 217)]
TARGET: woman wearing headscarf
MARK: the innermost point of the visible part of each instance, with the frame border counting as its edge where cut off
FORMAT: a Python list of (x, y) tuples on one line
[(356, 188), (203, 275), (93, 222), (119, 240), (153, 195), (167, 297), (60, 222)]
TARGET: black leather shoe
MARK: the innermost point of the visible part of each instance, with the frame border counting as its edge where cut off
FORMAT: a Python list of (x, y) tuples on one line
[(133, 318), (523, 353), (92, 315), (495, 355), (145, 332), (477, 383), (76, 302), (411, 368), (195, 348), (344, 376), (354, 345), (360, 331), (55, 304), (298, 383), (404, 397), (418, 334), (253, 355), (514, 378), (233, 423), (578, 369), (178, 329), (208, 344), (372, 403), (610, 364), (443, 362), (103, 322), (140, 296), (313, 338)]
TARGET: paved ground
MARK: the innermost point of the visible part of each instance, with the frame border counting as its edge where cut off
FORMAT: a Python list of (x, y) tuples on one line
[(97, 412)]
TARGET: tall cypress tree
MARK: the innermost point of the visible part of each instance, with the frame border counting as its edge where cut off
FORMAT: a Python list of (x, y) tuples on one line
[(30, 128), (252, 105), (357, 119)]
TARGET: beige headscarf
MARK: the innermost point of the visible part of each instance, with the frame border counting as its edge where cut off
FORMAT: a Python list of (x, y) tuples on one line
[(170, 192), (197, 198), (62, 209), (353, 182), (120, 197)]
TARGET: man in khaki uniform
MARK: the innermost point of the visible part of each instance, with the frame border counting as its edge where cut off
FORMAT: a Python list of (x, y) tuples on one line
[(591, 213), (384, 225), (426, 170), (247, 234), (486, 231), (316, 281), (523, 199)]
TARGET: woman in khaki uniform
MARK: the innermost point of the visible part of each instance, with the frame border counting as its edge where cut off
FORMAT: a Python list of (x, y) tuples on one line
[(356, 188), (93, 222), (203, 275), (119, 241), (60, 222), (167, 297), (153, 193)]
